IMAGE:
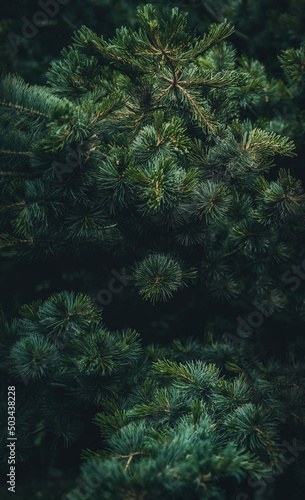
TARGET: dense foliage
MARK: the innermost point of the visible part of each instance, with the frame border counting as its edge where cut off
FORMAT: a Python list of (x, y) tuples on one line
[(164, 147), (177, 420), (158, 160)]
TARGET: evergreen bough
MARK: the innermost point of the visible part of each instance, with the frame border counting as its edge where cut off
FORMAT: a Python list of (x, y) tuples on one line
[(156, 159), (176, 421)]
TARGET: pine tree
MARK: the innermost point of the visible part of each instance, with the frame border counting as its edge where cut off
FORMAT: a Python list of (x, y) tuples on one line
[(158, 161), (278, 27), (63, 361), (157, 146), (176, 421)]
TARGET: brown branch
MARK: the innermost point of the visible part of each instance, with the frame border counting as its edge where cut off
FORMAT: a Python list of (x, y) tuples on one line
[(24, 110), (14, 205), (128, 462), (3, 151), (164, 92), (196, 107)]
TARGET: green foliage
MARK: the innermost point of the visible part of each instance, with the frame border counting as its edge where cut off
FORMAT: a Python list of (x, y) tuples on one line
[(170, 434), (63, 361), (158, 276), (165, 145), (182, 418), (293, 63), (148, 158)]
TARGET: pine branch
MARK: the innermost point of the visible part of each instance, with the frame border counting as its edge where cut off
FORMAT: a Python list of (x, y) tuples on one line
[(23, 109)]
